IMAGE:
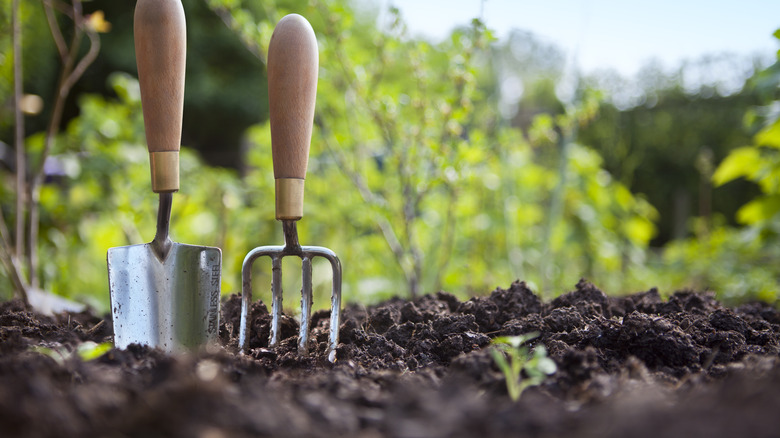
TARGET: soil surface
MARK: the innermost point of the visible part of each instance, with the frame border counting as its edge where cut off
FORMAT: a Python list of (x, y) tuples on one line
[(631, 366)]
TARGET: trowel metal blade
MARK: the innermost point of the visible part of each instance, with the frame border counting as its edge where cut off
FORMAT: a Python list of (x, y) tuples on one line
[(172, 304)]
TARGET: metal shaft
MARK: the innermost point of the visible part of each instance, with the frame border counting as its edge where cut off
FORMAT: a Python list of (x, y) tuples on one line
[(291, 245), (162, 241)]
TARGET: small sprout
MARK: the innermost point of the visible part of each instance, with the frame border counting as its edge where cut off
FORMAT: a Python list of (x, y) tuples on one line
[(91, 350), (55, 354), (85, 351), (512, 358)]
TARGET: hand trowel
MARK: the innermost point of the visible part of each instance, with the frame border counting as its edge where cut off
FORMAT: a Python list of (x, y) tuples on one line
[(163, 294)]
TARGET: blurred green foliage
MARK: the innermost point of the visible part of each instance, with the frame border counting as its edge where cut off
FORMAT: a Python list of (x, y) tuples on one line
[(418, 178), (657, 147), (740, 262)]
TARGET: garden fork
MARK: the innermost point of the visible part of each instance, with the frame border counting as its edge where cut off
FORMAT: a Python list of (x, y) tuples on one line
[(292, 88)]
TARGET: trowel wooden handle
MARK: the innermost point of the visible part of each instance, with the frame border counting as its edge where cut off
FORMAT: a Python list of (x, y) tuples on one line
[(160, 52), (292, 89)]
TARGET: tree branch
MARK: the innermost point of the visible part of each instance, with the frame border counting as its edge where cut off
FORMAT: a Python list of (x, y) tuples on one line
[(56, 32), (86, 61), (231, 24)]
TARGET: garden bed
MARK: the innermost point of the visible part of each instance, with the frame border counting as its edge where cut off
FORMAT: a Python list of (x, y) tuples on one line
[(626, 366)]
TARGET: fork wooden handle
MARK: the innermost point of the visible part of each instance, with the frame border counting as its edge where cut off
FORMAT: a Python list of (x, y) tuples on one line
[(293, 60)]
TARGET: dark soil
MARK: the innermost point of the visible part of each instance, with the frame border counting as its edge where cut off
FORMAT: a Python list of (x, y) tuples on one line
[(630, 366)]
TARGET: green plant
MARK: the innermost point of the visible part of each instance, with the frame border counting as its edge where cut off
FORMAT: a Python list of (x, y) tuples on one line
[(86, 351), (514, 359)]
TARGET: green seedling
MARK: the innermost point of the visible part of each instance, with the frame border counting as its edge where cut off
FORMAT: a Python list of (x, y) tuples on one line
[(513, 357), (86, 351)]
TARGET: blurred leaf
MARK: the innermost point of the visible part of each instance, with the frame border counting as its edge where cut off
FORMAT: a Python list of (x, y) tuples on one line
[(91, 350), (58, 355), (741, 162), (769, 136), (759, 210), (639, 230)]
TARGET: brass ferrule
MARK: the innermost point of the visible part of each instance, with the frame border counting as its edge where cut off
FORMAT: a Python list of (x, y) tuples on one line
[(165, 171), (289, 198)]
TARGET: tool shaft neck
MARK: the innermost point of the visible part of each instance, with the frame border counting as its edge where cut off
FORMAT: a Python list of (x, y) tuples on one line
[(162, 241), (290, 229)]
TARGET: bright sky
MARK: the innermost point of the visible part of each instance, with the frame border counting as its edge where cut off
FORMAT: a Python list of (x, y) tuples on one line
[(619, 34)]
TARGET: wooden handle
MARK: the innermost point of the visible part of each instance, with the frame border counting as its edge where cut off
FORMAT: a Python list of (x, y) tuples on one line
[(293, 60), (160, 51)]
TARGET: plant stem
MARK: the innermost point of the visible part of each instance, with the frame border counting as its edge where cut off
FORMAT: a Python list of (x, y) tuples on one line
[(225, 15), (555, 212), (9, 260), (21, 162), (447, 244), (11, 263)]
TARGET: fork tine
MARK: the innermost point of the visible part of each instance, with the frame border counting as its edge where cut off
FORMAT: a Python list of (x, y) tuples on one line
[(246, 303), (335, 308), (276, 298), (335, 299), (306, 303)]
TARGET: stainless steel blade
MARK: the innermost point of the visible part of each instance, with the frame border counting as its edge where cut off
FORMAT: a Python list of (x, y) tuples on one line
[(172, 304)]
